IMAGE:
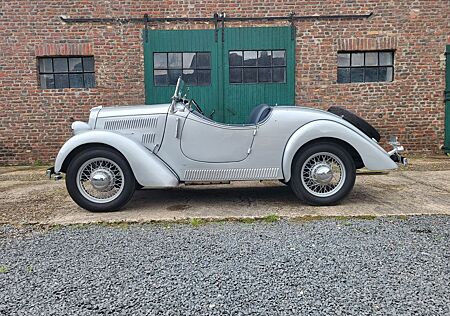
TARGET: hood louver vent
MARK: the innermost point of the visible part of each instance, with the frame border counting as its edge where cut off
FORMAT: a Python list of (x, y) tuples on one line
[(150, 122), (148, 138)]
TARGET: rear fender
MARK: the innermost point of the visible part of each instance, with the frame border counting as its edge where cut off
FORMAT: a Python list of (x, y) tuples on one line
[(148, 169), (373, 155)]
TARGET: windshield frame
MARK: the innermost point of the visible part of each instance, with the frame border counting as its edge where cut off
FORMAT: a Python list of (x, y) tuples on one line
[(176, 98)]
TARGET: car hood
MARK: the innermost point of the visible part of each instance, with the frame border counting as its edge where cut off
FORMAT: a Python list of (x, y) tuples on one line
[(131, 110), (128, 110)]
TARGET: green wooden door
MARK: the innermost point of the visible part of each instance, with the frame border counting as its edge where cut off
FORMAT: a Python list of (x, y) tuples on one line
[(190, 53), (246, 67), (259, 67), (447, 101)]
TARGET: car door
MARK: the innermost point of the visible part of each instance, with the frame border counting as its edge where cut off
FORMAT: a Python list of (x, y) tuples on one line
[(208, 141)]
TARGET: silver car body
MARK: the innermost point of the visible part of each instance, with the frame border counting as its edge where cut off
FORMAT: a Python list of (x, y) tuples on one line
[(169, 144)]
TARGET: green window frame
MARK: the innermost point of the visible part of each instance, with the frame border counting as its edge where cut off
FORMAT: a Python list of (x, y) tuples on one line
[(257, 66), (193, 67)]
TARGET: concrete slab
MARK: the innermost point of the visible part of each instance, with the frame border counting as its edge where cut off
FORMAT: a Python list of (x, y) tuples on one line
[(26, 197)]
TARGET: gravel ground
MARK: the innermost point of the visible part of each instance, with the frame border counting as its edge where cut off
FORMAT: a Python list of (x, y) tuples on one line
[(385, 266)]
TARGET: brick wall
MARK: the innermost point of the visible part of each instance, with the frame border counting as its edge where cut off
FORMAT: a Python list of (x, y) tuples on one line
[(34, 123)]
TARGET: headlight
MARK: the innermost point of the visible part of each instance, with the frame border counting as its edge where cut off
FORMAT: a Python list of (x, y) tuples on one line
[(79, 127)]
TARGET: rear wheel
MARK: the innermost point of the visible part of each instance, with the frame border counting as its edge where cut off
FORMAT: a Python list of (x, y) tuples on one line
[(100, 180), (322, 174)]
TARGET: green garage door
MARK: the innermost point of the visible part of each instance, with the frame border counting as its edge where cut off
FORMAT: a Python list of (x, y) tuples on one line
[(227, 76)]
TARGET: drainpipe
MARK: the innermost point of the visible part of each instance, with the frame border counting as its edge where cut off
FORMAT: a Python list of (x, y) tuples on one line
[(447, 101)]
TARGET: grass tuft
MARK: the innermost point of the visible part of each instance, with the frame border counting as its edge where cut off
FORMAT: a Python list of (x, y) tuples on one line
[(246, 220), (271, 218), (196, 222), (3, 269)]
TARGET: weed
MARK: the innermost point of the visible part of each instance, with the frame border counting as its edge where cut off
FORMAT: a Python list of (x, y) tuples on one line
[(271, 218), (247, 220), (3, 269), (196, 222)]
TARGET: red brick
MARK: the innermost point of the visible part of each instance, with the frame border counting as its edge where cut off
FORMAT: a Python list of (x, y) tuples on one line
[(35, 123)]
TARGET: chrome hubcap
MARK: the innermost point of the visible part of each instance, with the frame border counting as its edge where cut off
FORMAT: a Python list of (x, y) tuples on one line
[(100, 180), (323, 174)]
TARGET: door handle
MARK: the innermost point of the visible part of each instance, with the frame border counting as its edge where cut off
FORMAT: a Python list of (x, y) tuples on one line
[(177, 123), (212, 113)]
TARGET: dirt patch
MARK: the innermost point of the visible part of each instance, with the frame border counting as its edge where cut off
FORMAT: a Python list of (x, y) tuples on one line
[(27, 196)]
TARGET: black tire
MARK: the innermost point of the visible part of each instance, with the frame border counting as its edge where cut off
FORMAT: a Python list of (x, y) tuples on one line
[(304, 155), (357, 121), (129, 182)]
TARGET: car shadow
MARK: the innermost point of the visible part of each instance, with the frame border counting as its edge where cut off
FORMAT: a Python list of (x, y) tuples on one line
[(223, 196)]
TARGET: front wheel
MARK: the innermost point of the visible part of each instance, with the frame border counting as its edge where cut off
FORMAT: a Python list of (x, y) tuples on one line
[(100, 180), (322, 174)]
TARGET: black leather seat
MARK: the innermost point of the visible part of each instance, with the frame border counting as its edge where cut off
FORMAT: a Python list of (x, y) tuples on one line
[(259, 113)]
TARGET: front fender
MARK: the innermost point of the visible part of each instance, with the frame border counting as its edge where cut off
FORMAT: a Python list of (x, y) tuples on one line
[(373, 155), (148, 169)]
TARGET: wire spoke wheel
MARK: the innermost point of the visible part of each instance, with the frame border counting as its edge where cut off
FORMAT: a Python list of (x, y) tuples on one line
[(100, 180), (323, 174)]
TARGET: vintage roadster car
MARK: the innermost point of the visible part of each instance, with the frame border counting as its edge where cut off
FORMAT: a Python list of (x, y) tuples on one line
[(122, 149)]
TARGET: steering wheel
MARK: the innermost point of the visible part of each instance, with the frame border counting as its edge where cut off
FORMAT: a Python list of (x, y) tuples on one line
[(197, 107)]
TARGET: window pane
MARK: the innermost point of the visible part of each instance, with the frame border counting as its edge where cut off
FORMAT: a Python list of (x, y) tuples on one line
[(250, 75), (371, 74), (204, 77), (343, 59), (88, 64), (385, 58), (235, 75), (357, 59), (47, 82), (175, 61), (357, 74), (189, 60), (343, 75), (372, 59), (264, 58), (190, 76), (264, 75), (160, 78), (160, 60), (174, 74), (250, 58), (61, 81), (386, 74), (89, 80), (235, 58), (45, 65), (76, 80), (279, 58), (279, 74), (204, 60), (75, 64), (60, 65)]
